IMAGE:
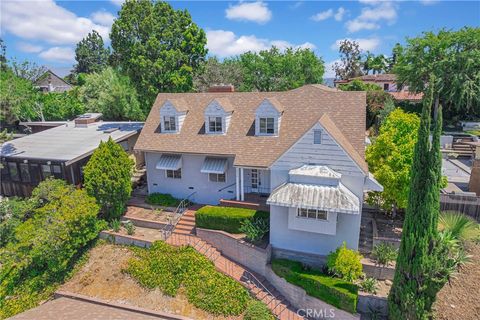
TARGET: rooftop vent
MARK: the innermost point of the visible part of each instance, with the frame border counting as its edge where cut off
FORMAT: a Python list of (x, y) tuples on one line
[(222, 88), (82, 121)]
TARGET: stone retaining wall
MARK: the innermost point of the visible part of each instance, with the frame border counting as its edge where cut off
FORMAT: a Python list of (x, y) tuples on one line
[(307, 305), (368, 303), (246, 254), (124, 239)]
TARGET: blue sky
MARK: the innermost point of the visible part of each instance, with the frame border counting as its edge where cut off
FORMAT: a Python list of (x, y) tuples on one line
[(46, 31)]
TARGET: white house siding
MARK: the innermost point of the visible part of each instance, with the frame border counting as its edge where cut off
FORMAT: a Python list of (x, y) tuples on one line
[(330, 154), (264, 180), (281, 237), (192, 180)]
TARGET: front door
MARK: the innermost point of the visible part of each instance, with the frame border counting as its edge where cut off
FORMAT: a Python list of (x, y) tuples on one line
[(255, 180)]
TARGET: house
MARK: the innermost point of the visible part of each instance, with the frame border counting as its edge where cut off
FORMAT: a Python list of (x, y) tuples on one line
[(60, 152), (302, 149), (50, 82), (387, 81)]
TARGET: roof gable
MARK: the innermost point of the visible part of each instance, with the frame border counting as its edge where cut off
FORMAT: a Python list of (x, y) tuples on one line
[(219, 105)]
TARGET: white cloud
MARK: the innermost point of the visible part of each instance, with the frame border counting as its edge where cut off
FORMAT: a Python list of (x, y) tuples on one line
[(323, 15), (329, 73), (60, 54), (117, 2), (28, 47), (225, 43), (340, 13), (371, 15), (249, 11), (102, 17), (45, 20), (365, 44)]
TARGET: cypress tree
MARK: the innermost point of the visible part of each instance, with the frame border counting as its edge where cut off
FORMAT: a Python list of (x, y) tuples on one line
[(419, 273)]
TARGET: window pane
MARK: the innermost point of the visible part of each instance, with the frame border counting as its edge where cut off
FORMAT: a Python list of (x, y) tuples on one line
[(317, 136), (34, 173), (12, 166), (57, 171), (46, 171), (169, 123), (263, 125), (302, 212), (322, 215), (221, 177), (312, 213), (177, 174), (24, 172), (270, 125)]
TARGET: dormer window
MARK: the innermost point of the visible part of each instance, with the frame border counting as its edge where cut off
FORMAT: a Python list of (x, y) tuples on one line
[(267, 125), (215, 124), (169, 124), (218, 114), (267, 117), (172, 115)]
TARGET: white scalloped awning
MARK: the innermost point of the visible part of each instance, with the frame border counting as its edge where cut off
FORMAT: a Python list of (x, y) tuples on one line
[(320, 197), (169, 162), (214, 165)]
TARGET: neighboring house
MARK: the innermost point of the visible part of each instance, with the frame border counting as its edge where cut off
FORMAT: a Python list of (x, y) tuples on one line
[(50, 82), (303, 148), (387, 82), (60, 152)]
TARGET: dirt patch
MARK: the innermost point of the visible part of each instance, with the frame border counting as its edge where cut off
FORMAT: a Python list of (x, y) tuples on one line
[(459, 299), (102, 277)]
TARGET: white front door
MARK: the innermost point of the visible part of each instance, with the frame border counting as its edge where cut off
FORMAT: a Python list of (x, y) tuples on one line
[(255, 179)]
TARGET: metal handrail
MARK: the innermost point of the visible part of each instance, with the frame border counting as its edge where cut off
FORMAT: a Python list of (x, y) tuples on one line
[(178, 213)]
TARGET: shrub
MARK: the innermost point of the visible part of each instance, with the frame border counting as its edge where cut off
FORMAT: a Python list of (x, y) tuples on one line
[(257, 310), (345, 263), (337, 292), (108, 178), (44, 249), (225, 218), (460, 226), (129, 227), (115, 225), (369, 285), (162, 199), (168, 268), (255, 229), (384, 253)]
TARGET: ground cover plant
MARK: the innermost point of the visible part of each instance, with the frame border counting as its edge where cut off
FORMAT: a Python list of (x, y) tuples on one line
[(162, 199), (226, 218), (45, 247), (337, 292), (345, 263), (170, 268)]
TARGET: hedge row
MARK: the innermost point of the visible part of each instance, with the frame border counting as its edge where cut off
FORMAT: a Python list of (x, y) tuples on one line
[(162, 199), (225, 218), (337, 292)]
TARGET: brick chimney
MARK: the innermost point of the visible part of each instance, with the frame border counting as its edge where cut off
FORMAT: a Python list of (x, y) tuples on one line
[(222, 88), (84, 120)]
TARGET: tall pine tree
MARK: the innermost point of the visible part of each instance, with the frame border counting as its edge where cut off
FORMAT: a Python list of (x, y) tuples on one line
[(419, 273)]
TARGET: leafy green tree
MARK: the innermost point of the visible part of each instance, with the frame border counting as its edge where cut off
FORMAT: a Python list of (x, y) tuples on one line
[(61, 106), (91, 54), (390, 157), (111, 94), (28, 70), (3, 55), (274, 70), (213, 71), (158, 47), (376, 98), (19, 100), (453, 57), (350, 65), (420, 268), (107, 177)]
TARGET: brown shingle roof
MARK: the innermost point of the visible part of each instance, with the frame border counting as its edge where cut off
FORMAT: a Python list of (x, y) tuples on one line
[(302, 108), (406, 95), (378, 77)]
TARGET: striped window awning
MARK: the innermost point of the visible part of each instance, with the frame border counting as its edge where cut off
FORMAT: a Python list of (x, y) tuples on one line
[(169, 162), (214, 165)]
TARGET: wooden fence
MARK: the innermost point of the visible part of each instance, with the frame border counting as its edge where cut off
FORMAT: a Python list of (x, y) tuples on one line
[(466, 204)]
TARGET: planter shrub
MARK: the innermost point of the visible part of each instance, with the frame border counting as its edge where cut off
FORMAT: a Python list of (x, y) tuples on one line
[(337, 292), (257, 310), (226, 218), (162, 199), (345, 263)]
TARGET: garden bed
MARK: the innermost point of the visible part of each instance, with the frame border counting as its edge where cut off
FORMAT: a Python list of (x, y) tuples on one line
[(102, 276)]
